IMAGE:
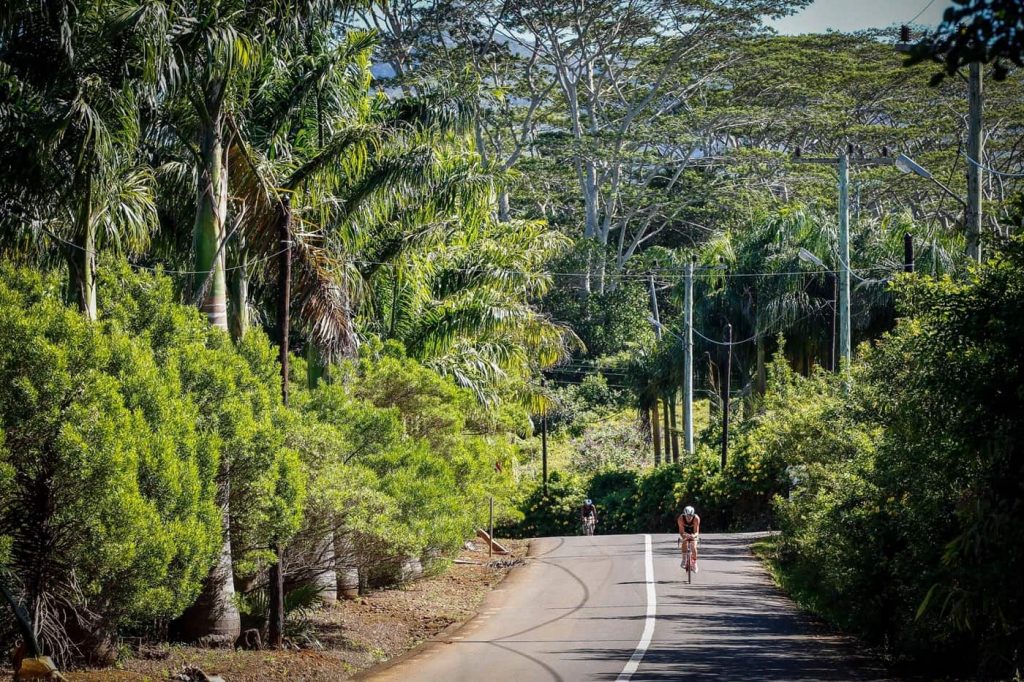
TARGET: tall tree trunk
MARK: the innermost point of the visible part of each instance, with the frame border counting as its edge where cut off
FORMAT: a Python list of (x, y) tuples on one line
[(504, 213), (210, 288), (761, 382), (326, 580), (82, 259), (656, 432), (238, 302), (316, 368), (214, 616)]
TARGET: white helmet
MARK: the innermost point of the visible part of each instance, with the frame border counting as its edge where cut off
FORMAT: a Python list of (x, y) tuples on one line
[(688, 511), (587, 501)]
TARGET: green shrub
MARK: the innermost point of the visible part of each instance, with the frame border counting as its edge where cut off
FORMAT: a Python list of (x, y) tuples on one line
[(110, 511)]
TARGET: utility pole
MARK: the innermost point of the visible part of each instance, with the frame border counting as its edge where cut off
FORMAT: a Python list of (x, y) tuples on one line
[(544, 439), (975, 111), (688, 358), (844, 259), (908, 252), (726, 395), (975, 103), (656, 432), (275, 626), (843, 162)]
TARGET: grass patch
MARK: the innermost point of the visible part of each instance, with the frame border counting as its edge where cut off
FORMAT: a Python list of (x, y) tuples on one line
[(799, 585)]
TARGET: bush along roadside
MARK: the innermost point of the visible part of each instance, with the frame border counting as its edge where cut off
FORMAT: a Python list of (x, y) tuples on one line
[(139, 451)]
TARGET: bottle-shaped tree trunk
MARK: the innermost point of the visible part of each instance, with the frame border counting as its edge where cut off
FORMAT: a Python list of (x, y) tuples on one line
[(82, 258), (213, 617), (210, 286)]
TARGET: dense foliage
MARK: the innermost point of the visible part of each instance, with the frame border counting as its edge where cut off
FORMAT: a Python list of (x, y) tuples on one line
[(117, 437), (909, 535), (479, 208)]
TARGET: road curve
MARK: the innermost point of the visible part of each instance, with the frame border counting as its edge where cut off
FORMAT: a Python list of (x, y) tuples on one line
[(578, 610)]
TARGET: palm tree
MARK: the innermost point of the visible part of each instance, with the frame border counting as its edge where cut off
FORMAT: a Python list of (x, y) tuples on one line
[(463, 307), (73, 174)]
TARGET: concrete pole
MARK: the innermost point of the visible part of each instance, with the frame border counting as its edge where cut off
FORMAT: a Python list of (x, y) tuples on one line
[(544, 439), (844, 259), (688, 358), (975, 101)]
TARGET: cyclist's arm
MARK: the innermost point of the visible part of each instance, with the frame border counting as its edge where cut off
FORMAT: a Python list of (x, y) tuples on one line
[(679, 524), (696, 525)]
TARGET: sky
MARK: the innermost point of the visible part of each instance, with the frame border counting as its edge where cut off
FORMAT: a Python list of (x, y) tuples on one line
[(853, 15)]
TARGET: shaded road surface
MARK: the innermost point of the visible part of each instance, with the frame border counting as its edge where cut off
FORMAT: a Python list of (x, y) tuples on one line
[(578, 611)]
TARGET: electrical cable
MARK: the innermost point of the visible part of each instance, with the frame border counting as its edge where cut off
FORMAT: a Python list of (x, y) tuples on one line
[(993, 171), (923, 10)]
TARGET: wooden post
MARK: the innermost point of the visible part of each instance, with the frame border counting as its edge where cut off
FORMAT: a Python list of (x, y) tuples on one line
[(276, 586), (666, 429), (975, 104), (675, 427), (656, 432)]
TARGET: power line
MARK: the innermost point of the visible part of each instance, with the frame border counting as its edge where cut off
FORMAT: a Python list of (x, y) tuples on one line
[(993, 171), (923, 10), (164, 271), (725, 343)]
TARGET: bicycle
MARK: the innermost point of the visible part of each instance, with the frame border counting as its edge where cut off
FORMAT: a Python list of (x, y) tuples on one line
[(689, 564), (589, 522)]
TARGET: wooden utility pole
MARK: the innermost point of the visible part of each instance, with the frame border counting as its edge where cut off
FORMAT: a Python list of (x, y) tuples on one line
[(276, 578), (667, 428), (726, 396), (675, 427), (656, 432), (976, 104)]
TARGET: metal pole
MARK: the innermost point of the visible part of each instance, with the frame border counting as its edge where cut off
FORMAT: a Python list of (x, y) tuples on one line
[(726, 396), (844, 259), (975, 101), (688, 359), (908, 252), (490, 529)]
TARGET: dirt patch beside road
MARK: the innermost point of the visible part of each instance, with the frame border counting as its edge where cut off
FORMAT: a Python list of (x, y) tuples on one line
[(355, 635)]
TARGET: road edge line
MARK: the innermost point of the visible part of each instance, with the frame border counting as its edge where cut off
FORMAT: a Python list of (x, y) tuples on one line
[(652, 611)]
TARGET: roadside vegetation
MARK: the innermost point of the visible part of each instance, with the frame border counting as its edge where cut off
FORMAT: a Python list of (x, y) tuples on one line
[(289, 292)]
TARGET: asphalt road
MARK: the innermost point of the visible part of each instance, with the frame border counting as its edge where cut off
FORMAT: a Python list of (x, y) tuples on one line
[(608, 608)]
